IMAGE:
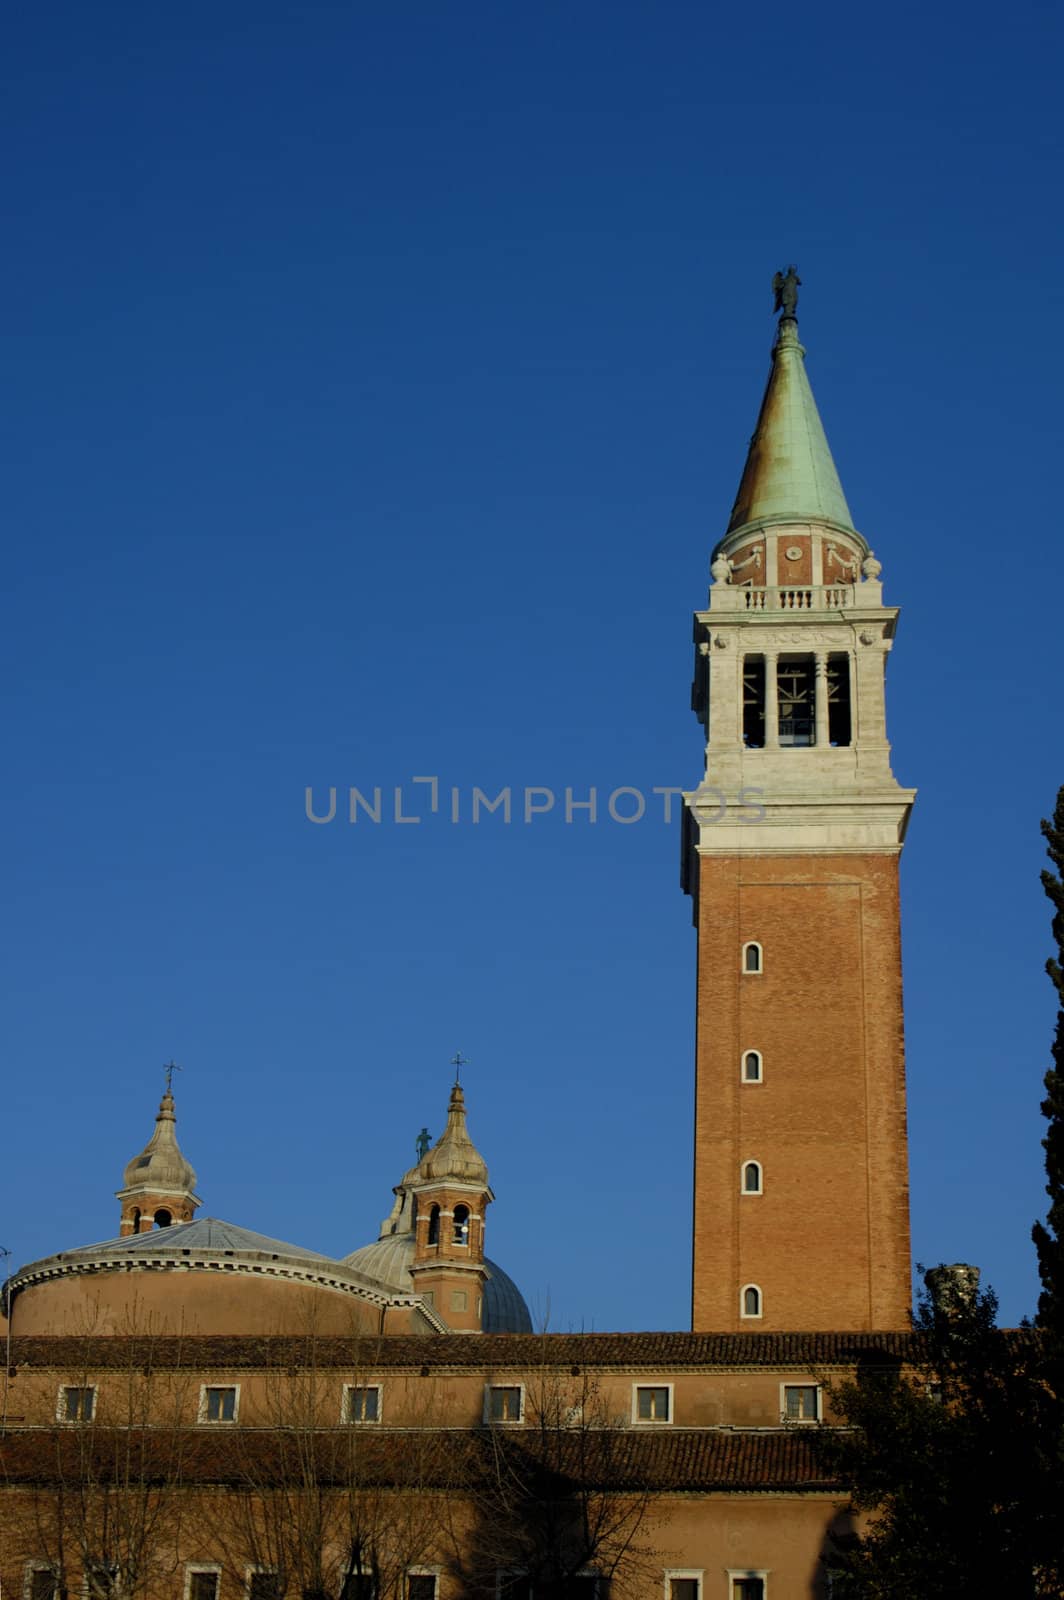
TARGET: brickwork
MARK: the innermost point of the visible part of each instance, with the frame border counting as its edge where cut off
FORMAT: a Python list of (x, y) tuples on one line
[(827, 1240)]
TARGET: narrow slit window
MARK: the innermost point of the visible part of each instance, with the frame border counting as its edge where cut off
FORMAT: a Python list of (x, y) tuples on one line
[(840, 720), (754, 702), (751, 1300), (753, 957), (751, 1177), (752, 1070)]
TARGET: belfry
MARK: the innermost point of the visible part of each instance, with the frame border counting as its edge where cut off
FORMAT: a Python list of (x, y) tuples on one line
[(791, 848)]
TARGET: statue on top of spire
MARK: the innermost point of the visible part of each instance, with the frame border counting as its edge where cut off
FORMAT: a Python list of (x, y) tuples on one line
[(785, 287)]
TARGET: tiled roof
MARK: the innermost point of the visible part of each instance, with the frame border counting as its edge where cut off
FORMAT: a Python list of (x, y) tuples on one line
[(674, 1461), (657, 1352)]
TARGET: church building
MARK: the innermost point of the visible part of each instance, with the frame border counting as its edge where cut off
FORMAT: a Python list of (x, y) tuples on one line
[(408, 1369)]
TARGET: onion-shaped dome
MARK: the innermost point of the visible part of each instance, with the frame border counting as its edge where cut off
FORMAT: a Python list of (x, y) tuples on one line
[(160, 1165), (388, 1262), (454, 1155)]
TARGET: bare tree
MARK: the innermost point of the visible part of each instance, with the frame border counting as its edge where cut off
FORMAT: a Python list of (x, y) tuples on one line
[(324, 1499), (560, 1503), (102, 1508)]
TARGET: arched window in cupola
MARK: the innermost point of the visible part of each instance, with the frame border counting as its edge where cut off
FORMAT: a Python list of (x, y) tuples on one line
[(751, 1300), (163, 1219), (434, 1225), (752, 1066), (753, 957), (461, 1224)]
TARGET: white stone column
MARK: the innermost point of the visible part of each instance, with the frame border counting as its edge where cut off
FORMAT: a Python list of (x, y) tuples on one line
[(772, 700), (820, 704)]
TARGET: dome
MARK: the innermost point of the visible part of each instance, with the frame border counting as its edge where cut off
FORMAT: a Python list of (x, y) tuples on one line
[(387, 1262), (160, 1165)]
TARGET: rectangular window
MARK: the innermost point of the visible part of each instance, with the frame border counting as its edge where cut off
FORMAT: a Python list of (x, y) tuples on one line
[(683, 1585), (358, 1586), (652, 1402), (748, 1586), (100, 1580), (505, 1403), (421, 1586), (218, 1404), (202, 1583), (801, 1402), (362, 1403), (264, 1584), (41, 1583), (77, 1404)]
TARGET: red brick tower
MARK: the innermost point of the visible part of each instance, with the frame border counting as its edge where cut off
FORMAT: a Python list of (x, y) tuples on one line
[(791, 851), (451, 1195)]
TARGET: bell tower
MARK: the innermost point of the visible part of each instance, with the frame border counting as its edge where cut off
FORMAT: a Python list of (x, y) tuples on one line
[(451, 1196), (791, 849)]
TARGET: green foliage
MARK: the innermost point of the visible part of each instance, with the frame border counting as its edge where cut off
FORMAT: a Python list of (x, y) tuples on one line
[(956, 1465), (948, 1462)]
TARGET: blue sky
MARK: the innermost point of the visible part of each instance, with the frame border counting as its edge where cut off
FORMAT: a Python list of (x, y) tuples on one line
[(381, 381)]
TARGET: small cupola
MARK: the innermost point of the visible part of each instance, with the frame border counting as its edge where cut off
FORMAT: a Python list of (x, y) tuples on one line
[(454, 1155), (159, 1184)]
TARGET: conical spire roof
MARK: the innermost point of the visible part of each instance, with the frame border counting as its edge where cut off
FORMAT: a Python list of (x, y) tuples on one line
[(161, 1165), (789, 474), (454, 1155)]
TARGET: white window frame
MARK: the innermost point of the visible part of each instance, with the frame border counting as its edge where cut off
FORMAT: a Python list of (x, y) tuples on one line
[(251, 1572), (752, 1316), (751, 1162), (39, 1566), (504, 1422), (75, 1422), (697, 1573), (220, 1422), (201, 1566), (801, 1383), (422, 1572), (345, 1405), (653, 1422), (111, 1567), (748, 972), (760, 1067), (737, 1574)]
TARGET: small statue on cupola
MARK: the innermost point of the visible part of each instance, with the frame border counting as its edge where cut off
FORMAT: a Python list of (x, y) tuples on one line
[(785, 286)]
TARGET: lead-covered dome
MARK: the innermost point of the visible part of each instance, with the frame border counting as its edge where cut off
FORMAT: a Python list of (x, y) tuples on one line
[(387, 1262), (161, 1164)]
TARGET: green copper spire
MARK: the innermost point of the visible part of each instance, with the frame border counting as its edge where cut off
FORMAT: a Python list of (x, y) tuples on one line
[(789, 474)]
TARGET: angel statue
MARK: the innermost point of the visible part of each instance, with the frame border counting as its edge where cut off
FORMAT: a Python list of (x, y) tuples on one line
[(785, 287)]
